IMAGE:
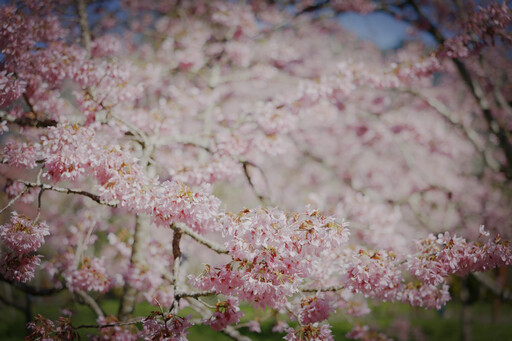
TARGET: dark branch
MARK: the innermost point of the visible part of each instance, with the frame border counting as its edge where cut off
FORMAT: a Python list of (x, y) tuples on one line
[(30, 289)]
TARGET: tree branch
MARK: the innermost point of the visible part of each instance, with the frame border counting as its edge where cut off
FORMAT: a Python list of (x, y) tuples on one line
[(322, 289), (133, 320), (13, 200), (47, 187), (476, 91), (81, 8), (471, 135), (200, 239), (12, 304), (127, 304), (30, 289), (86, 299), (195, 294)]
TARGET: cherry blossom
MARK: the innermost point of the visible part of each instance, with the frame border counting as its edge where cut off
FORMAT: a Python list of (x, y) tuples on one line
[(135, 139), (22, 236), (226, 313)]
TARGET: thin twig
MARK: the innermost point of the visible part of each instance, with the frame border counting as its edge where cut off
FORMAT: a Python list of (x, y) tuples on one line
[(245, 164), (133, 320), (14, 200), (47, 187)]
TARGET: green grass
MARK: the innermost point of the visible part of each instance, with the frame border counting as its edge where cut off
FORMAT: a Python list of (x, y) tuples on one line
[(432, 324)]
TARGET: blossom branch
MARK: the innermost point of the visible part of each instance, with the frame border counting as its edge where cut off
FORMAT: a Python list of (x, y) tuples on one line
[(47, 187)]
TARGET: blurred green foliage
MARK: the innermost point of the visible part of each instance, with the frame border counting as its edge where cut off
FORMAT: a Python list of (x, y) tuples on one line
[(387, 318)]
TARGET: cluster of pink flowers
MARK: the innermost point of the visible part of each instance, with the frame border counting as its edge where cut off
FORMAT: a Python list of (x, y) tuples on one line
[(45, 329), (375, 274), (10, 88), (147, 121), (481, 29), (19, 268), (71, 151), (160, 326), (312, 332), (314, 309), (271, 253), (20, 154), (22, 238), (226, 313), (444, 254), (91, 275)]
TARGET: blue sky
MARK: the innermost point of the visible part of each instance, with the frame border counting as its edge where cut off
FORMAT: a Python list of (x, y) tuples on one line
[(381, 28)]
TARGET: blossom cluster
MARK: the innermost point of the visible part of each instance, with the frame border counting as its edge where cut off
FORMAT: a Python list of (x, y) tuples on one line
[(313, 332), (22, 237), (91, 275), (226, 313), (160, 326), (446, 254), (271, 253), (71, 151)]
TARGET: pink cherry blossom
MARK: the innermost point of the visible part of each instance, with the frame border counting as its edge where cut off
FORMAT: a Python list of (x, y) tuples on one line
[(226, 313), (19, 268), (22, 236)]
